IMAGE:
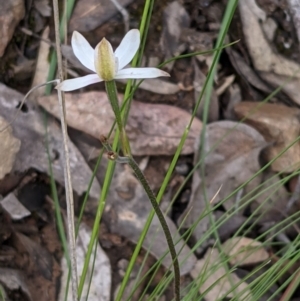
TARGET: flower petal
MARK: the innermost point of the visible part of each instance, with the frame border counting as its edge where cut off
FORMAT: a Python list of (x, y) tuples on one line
[(128, 47), (140, 73), (79, 82), (83, 50)]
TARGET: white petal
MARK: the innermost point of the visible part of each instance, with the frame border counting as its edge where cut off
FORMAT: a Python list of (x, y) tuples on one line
[(79, 82), (128, 47), (140, 73), (83, 50)]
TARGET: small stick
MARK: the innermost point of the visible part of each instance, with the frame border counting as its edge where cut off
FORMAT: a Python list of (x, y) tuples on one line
[(68, 181)]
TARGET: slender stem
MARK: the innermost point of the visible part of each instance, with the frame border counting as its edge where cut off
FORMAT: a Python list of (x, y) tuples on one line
[(113, 98), (67, 173), (162, 221), (131, 162), (111, 90)]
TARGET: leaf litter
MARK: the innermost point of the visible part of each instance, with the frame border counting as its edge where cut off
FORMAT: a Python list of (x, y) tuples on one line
[(249, 70)]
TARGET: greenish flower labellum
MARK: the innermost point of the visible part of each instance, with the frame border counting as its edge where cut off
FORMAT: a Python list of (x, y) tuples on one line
[(106, 64), (105, 61)]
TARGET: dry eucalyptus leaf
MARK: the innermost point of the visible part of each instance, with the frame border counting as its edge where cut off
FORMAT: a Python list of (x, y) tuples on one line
[(230, 226), (40, 259), (244, 251), (11, 13), (228, 165), (216, 281), (175, 18), (14, 280), (42, 66), (29, 127), (97, 285), (127, 210), (280, 125), (263, 57), (290, 86), (199, 80), (270, 200), (43, 7), (234, 97), (246, 71), (9, 147), (90, 14), (153, 129)]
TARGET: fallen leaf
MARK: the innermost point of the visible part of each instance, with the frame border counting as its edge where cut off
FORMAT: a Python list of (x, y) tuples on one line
[(216, 282), (11, 13), (199, 81), (9, 148), (14, 280), (97, 284), (42, 66), (263, 57), (43, 7), (175, 18), (39, 258), (246, 72), (280, 126), (275, 68), (153, 129), (90, 14), (244, 251), (29, 127), (228, 165), (127, 210), (270, 199), (230, 226)]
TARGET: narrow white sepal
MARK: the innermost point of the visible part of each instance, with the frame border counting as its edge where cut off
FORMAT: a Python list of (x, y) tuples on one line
[(79, 82)]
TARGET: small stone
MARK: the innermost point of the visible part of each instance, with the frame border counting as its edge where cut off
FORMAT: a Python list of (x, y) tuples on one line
[(14, 208)]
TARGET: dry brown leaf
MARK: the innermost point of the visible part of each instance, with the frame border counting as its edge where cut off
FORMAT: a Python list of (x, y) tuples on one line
[(175, 18), (199, 80), (244, 251), (11, 13), (42, 66), (243, 68), (9, 147), (153, 129), (270, 200), (275, 68), (43, 7), (90, 14), (263, 57), (29, 127), (97, 284), (280, 125), (127, 210), (15, 280), (216, 282), (228, 166)]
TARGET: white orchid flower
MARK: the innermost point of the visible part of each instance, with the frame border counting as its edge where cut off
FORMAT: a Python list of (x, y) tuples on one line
[(106, 64)]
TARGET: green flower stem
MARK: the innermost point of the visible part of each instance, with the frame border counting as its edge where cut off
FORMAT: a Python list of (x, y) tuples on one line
[(131, 162), (112, 93)]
